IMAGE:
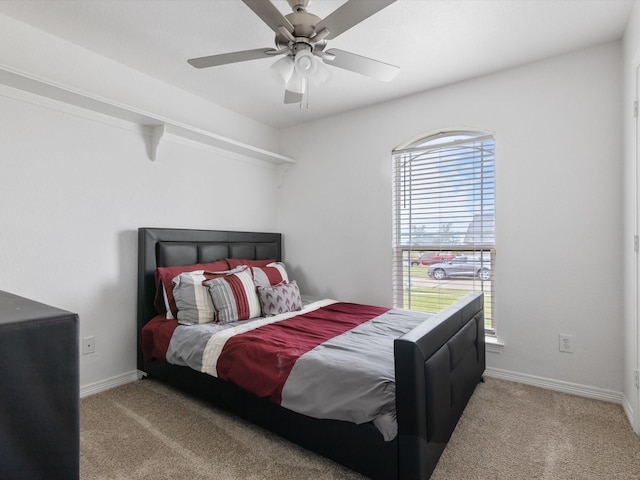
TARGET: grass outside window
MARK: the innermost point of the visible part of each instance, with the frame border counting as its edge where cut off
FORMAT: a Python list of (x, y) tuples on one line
[(433, 299)]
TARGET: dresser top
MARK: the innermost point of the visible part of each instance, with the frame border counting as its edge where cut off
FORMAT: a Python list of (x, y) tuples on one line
[(14, 308)]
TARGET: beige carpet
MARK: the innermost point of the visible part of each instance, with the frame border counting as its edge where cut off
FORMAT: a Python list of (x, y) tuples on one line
[(145, 430), (514, 431)]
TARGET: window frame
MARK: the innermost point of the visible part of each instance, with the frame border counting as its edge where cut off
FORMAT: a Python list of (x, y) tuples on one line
[(404, 248)]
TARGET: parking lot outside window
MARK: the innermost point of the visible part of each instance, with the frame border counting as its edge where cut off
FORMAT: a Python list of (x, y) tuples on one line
[(444, 221)]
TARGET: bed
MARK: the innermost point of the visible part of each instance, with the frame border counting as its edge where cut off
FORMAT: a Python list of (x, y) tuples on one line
[(437, 365)]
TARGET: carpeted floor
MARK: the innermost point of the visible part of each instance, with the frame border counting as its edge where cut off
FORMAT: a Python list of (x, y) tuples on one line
[(514, 431), (146, 430)]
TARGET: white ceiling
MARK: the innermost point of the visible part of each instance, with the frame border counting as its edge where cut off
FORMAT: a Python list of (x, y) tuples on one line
[(434, 42)]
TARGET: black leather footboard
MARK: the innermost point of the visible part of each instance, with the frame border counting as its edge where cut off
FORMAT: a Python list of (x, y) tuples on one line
[(438, 365)]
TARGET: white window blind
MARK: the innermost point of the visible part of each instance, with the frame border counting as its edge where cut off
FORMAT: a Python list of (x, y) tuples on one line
[(444, 221)]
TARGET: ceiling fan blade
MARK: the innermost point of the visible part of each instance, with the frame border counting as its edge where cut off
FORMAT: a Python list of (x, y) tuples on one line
[(292, 97), (350, 14), (363, 65), (269, 14), (233, 57)]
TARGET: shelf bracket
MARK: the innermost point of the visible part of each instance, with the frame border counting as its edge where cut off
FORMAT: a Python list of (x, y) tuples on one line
[(157, 132)]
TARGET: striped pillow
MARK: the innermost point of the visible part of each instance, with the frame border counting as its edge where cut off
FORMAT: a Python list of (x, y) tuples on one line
[(164, 300), (272, 274), (192, 298), (234, 297)]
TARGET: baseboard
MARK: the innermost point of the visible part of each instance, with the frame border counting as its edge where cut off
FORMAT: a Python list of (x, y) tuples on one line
[(628, 410), (108, 383), (533, 380), (557, 385)]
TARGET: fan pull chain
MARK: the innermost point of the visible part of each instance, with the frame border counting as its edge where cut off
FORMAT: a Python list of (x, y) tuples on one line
[(305, 97)]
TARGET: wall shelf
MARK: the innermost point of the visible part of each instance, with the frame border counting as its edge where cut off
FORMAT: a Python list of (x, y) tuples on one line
[(156, 128)]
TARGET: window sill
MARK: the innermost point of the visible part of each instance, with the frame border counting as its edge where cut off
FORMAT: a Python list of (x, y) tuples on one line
[(492, 344)]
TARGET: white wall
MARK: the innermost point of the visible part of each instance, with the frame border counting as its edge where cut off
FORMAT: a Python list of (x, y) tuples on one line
[(76, 186), (631, 361), (557, 125), (71, 184), (74, 192)]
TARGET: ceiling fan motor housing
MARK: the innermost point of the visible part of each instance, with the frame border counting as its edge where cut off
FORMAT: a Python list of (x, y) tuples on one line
[(304, 28)]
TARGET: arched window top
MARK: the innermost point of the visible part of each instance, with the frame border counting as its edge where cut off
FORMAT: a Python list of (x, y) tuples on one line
[(442, 138)]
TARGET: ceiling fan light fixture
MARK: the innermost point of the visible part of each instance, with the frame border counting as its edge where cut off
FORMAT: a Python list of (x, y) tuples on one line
[(296, 83), (283, 68), (322, 74)]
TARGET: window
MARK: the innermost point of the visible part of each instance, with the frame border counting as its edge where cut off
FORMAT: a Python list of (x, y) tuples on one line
[(444, 221)]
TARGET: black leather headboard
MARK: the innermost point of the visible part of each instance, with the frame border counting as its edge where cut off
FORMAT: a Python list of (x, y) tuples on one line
[(165, 247)]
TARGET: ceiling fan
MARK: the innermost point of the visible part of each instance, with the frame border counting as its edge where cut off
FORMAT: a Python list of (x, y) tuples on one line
[(302, 38)]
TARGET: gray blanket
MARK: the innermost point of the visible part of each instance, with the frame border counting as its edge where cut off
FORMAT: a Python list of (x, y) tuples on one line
[(350, 377)]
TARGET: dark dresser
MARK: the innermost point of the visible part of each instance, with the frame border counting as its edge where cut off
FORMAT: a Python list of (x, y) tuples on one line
[(39, 391)]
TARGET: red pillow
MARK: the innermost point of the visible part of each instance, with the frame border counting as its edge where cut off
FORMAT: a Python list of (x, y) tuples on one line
[(236, 262), (164, 275)]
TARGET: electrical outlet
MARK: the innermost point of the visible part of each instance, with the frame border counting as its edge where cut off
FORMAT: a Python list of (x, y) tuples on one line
[(566, 343), (88, 345)]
